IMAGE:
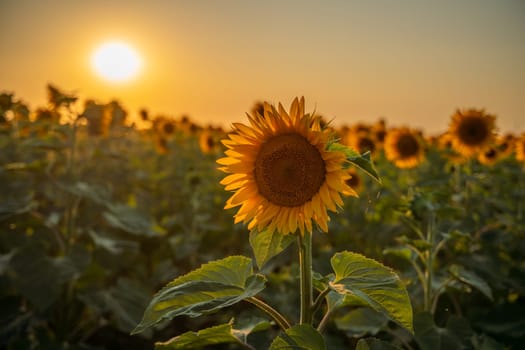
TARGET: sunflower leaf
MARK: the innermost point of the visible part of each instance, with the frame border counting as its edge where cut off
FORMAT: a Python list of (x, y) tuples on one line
[(472, 279), (267, 244), (301, 337), (220, 334), (373, 283), (374, 344), (362, 161), (214, 285)]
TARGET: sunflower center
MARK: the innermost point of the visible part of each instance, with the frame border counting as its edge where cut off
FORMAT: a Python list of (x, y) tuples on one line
[(407, 146), (366, 144), (289, 170), (473, 131)]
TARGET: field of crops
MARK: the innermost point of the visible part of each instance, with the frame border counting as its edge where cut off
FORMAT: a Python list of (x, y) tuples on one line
[(97, 214)]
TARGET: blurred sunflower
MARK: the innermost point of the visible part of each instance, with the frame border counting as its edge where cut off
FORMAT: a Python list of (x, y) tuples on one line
[(354, 181), (208, 141), (361, 141), (283, 175), (472, 131), (505, 145), (489, 156), (161, 144), (97, 120), (519, 145), (404, 148), (164, 127)]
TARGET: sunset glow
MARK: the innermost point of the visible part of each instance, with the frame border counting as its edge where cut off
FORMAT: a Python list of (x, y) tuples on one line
[(116, 62)]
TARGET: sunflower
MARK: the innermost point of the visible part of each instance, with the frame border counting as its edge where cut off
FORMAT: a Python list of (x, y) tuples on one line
[(283, 175), (361, 141), (472, 131), (208, 141), (404, 148), (489, 156), (97, 120), (354, 181), (519, 145), (505, 145)]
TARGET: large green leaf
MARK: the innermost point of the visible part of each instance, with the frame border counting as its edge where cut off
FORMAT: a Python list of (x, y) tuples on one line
[(196, 340), (299, 337), (470, 278), (221, 334), (373, 283), (131, 220), (267, 244), (361, 321), (211, 287), (362, 161), (456, 334), (39, 277), (374, 344)]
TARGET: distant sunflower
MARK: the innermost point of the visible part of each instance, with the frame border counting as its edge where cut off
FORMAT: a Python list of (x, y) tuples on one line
[(354, 181), (167, 127), (489, 156), (404, 148), (361, 141), (283, 175), (505, 145), (471, 131), (519, 145), (208, 142), (161, 144)]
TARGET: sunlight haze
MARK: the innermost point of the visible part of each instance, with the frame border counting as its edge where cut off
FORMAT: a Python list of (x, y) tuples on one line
[(412, 62)]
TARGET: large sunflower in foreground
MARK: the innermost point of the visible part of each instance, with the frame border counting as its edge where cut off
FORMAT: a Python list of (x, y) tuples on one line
[(283, 175), (404, 148), (471, 131)]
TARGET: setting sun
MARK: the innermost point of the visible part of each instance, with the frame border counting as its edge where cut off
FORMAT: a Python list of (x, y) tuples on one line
[(116, 61)]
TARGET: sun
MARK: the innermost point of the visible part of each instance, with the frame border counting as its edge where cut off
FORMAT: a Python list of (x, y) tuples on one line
[(116, 61)]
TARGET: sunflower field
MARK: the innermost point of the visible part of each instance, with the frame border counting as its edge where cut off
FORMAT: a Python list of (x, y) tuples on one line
[(285, 231)]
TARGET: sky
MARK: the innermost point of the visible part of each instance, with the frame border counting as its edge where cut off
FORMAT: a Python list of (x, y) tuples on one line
[(413, 62)]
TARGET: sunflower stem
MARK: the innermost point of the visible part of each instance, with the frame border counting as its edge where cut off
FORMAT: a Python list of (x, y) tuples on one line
[(305, 265), (277, 317)]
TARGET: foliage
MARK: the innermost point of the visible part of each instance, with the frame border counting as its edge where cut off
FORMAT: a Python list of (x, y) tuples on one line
[(93, 225)]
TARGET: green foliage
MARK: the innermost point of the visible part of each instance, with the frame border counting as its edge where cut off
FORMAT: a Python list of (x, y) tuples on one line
[(374, 344), (213, 286), (301, 337), (91, 225), (224, 333), (266, 245), (374, 284), (362, 161)]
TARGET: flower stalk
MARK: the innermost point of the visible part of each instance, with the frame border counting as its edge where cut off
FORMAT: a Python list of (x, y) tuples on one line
[(277, 317), (305, 265)]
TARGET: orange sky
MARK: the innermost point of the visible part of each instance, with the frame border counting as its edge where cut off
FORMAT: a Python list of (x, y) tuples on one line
[(410, 62)]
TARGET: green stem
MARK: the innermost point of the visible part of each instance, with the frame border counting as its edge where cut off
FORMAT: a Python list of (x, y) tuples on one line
[(319, 300), (305, 265), (324, 321), (429, 263), (277, 317)]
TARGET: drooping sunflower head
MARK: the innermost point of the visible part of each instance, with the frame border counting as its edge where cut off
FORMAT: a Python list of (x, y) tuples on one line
[(471, 131), (283, 175), (404, 148)]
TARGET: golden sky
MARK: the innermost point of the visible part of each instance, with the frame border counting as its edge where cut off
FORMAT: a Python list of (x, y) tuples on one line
[(413, 62)]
